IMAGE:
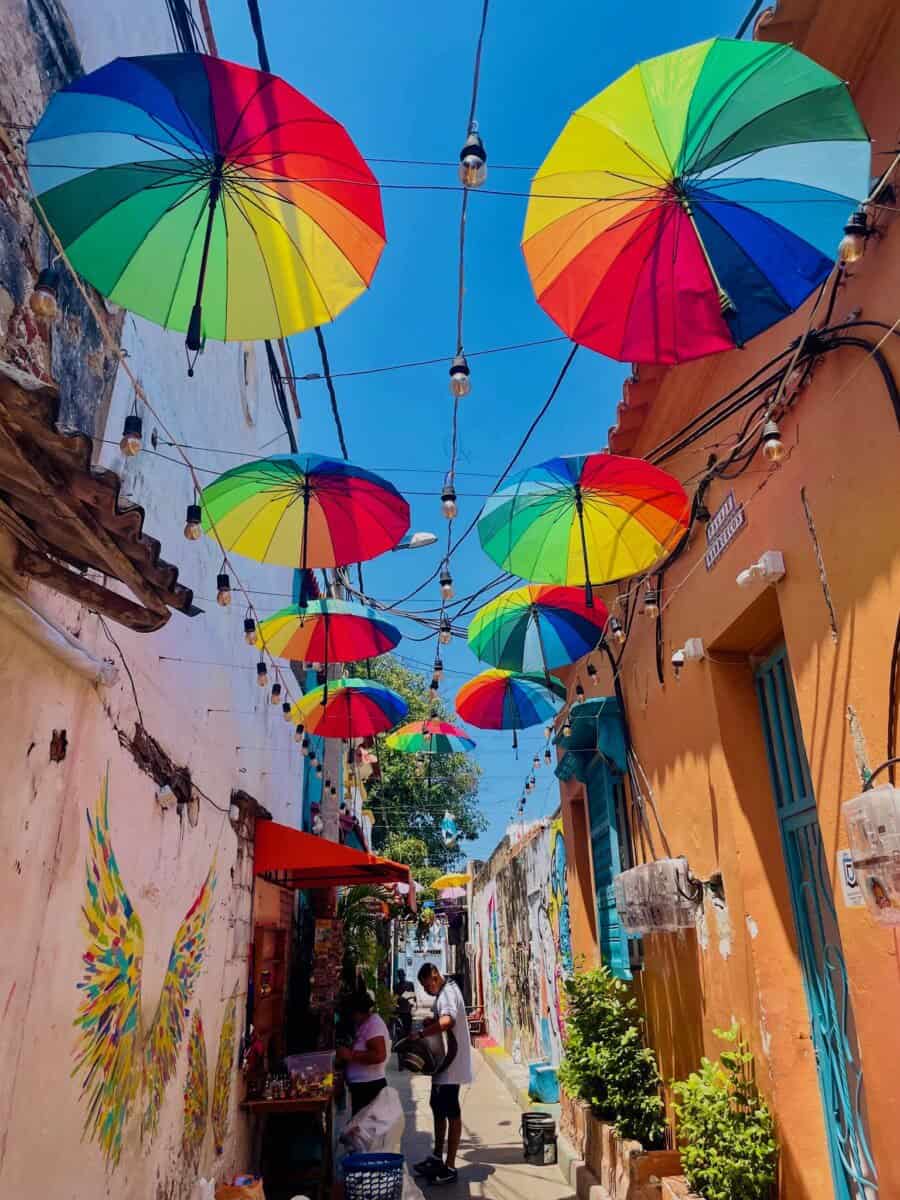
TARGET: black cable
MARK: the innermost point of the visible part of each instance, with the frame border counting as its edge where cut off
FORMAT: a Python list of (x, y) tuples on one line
[(281, 402), (256, 23), (332, 395), (893, 689)]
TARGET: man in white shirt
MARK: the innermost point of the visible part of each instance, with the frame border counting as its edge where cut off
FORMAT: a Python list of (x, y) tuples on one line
[(449, 1019)]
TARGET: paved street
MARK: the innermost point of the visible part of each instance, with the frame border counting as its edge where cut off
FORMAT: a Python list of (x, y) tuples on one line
[(490, 1160)]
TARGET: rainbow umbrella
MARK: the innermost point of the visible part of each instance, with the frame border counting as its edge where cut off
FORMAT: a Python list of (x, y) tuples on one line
[(430, 737), (584, 519), (352, 708), (326, 631), (696, 201), (206, 196), (304, 510), (537, 627), (498, 699)]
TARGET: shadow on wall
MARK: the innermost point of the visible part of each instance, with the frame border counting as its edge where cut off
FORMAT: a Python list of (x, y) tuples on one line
[(672, 1000)]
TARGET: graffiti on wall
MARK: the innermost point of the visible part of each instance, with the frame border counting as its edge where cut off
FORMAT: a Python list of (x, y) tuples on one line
[(523, 945), (196, 1095), (224, 1072), (119, 1063)]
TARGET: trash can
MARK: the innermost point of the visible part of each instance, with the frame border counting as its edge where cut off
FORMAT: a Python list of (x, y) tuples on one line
[(539, 1138), (373, 1176)]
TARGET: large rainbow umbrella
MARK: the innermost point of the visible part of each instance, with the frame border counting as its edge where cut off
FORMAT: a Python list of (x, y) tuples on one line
[(497, 699), (352, 708), (209, 197), (537, 627), (430, 737), (303, 510), (327, 631), (584, 519), (696, 201)]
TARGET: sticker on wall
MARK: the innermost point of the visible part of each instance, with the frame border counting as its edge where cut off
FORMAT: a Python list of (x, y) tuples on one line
[(118, 1061), (224, 1072), (196, 1096), (853, 893)]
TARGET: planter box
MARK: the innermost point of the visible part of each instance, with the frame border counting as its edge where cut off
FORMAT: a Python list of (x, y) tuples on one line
[(573, 1122), (623, 1167), (677, 1188)]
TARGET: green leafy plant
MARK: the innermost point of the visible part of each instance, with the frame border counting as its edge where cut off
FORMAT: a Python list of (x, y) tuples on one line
[(385, 1003), (725, 1130), (606, 1061)]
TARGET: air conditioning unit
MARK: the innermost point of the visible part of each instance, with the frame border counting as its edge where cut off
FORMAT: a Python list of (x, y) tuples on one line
[(873, 823), (658, 897)]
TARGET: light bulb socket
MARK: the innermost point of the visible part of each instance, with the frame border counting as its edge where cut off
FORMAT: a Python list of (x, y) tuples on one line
[(591, 670), (434, 686), (438, 668), (857, 224), (298, 734), (473, 148), (459, 366), (286, 710), (223, 590), (548, 757), (276, 693), (262, 674), (651, 603), (579, 691), (318, 770), (249, 630), (193, 526), (132, 431)]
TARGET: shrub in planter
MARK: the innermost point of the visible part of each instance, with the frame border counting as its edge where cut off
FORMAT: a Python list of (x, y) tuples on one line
[(606, 1062), (725, 1130)]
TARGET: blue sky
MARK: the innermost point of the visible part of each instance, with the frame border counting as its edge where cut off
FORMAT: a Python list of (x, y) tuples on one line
[(398, 75)]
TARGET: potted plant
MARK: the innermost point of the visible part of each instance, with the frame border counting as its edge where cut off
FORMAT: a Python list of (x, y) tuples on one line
[(725, 1129)]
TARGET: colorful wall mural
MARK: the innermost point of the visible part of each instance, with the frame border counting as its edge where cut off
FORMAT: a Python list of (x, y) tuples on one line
[(118, 1061), (196, 1095), (522, 944), (222, 1080)]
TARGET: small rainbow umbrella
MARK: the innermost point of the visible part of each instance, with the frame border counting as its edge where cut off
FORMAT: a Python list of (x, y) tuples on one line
[(327, 631), (304, 510), (537, 627), (430, 737), (498, 699), (696, 201), (207, 196), (353, 708), (584, 519)]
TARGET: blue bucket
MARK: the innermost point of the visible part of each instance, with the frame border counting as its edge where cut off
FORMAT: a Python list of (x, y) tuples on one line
[(373, 1176)]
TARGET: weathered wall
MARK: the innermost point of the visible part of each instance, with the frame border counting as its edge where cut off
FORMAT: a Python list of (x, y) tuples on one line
[(192, 687), (835, 498), (521, 935)]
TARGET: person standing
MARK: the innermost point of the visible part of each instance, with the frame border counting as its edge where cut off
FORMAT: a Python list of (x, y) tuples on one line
[(365, 1061), (449, 1019)]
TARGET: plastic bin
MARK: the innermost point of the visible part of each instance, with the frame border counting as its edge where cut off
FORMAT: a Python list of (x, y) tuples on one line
[(373, 1176), (543, 1083)]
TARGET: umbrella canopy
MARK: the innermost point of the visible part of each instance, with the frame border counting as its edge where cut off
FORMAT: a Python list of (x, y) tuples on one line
[(327, 631), (584, 519), (503, 700), (696, 201), (208, 197), (304, 510), (452, 893), (537, 627), (452, 880), (430, 737), (351, 708), (301, 860)]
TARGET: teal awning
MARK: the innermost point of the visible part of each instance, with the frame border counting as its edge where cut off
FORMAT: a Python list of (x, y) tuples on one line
[(596, 729)]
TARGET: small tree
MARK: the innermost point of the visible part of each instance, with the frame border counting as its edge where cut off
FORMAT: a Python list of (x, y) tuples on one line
[(725, 1129), (606, 1062)]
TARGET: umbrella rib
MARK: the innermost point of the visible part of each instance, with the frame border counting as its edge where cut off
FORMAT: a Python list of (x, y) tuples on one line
[(325, 120), (709, 216), (263, 81), (237, 201), (184, 258), (634, 150), (189, 122), (192, 155)]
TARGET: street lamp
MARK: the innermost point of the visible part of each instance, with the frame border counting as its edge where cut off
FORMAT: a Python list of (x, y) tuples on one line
[(416, 541)]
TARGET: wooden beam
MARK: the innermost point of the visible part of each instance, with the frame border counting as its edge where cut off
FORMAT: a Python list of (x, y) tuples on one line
[(91, 594)]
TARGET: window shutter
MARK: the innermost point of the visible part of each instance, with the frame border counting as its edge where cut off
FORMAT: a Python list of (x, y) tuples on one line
[(602, 786)]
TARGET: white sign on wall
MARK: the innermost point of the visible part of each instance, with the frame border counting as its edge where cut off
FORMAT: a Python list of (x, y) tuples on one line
[(722, 528), (853, 896)]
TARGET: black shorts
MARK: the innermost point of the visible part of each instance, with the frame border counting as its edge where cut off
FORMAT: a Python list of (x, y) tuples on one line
[(445, 1101), (362, 1094)]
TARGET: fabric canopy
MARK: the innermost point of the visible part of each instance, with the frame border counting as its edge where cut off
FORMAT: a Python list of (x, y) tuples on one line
[(301, 860)]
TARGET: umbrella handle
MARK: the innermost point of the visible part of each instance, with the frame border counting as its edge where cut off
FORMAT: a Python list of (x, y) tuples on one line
[(194, 339), (588, 589)]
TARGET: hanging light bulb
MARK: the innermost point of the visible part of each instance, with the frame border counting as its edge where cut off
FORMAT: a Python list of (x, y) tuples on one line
[(275, 695), (592, 674), (446, 582), (312, 758), (286, 710), (223, 590), (567, 729), (318, 770), (333, 790), (853, 243), (434, 687), (262, 675), (460, 381), (651, 603), (448, 501), (615, 628), (446, 632), (579, 691), (249, 631), (772, 445), (130, 445), (43, 300), (193, 529), (548, 757), (305, 746), (298, 733), (438, 669), (536, 763), (473, 160), (548, 732)]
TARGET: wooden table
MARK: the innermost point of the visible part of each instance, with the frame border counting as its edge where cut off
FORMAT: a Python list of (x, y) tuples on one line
[(322, 1107)]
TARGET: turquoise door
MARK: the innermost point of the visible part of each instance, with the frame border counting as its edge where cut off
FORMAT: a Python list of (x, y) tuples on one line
[(818, 935), (609, 853)]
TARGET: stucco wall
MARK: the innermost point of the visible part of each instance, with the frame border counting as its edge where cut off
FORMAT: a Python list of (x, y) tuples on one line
[(520, 931), (193, 688)]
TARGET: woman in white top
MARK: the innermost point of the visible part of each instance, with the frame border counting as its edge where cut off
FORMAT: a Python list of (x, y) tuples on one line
[(366, 1059)]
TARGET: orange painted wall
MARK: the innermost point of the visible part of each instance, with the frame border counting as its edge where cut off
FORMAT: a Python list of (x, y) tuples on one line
[(700, 740)]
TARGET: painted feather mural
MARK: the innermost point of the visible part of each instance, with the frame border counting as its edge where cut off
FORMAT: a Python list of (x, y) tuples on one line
[(196, 1095), (118, 1062), (224, 1070)]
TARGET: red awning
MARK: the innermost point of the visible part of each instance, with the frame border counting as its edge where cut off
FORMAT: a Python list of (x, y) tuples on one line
[(301, 860)]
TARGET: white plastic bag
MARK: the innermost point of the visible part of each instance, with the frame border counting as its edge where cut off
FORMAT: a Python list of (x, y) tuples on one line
[(204, 1189), (376, 1127), (411, 1190)]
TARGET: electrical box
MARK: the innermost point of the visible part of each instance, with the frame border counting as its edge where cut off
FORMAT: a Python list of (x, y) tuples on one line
[(873, 823), (657, 897)]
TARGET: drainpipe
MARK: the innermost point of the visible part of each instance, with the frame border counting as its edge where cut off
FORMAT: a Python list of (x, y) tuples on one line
[(55, 640)]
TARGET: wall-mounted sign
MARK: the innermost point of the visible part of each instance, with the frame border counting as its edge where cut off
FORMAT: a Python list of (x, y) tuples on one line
[(853, 896), (722, 528)]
